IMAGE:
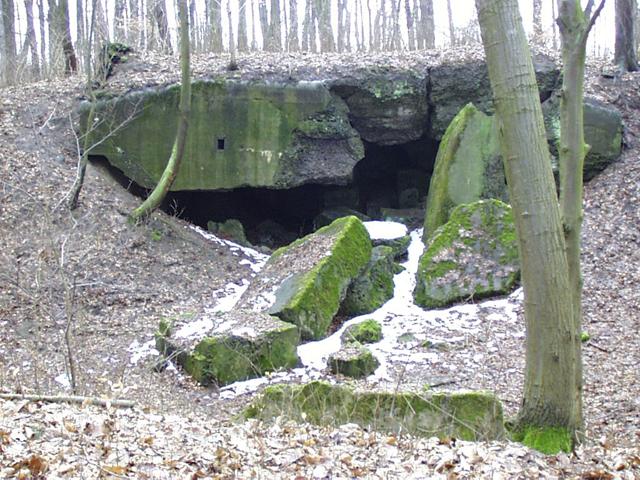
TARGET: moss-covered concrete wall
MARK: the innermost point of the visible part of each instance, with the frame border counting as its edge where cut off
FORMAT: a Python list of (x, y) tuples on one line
[(240, 134)]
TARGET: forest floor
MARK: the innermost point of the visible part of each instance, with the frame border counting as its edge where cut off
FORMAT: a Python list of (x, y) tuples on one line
[(106, 284)]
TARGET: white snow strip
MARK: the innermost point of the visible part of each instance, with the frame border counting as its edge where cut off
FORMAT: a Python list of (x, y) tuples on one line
[(385, 230), (141, 350), (399, 317), (195, 329)]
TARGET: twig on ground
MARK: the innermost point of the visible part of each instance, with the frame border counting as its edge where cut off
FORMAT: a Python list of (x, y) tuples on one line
[(99, 402)]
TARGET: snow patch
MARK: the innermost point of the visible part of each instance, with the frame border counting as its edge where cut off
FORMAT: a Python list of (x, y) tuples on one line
[(385, 230), (141, 350)]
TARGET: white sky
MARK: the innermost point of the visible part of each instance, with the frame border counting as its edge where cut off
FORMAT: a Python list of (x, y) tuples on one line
[(601, 41)]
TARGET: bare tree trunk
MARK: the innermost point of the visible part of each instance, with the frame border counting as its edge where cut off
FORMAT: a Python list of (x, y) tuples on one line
[(554, 26), (193, 22), (264, 23), (347, 27), (31, 38), (410, 22), (293, 28), (233, 62), (119, 21), (81, 41), (394, 26), (243, 43), (9, 50), (428, 23), (308, 38), (254, 36), (537, 21), (275, 32), (160, 16), (378, 30), (341, 32), (356, 25), (549, 405), (452, 30), (158, 194), (625, 57), (41, 22), (370, 24), (322, 13)]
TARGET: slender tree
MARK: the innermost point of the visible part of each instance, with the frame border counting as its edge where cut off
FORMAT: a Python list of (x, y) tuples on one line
[(274, 42), (428, 23), (9, 50), (452, 30), (551, 413), (41, 24), (410, 21), (322, 15), (31, 39), (119, 21), (625, 57), (264, 23), (292, 45), (308, 38), (243, 42), (162, 22), (158, 194)]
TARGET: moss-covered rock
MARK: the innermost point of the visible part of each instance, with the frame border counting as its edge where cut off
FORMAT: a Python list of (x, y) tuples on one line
[(374, 286), (602, 132), (331, 214), (399, 245), (548, 440), (353, 361), (386, 109), (464, 415), (240, 134), (473, 255), (369, 331), (237, 346), (468, 167), (454, 84), (231, 229), (305, 282)]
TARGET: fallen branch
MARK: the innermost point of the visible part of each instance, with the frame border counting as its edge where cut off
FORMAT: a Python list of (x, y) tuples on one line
[(99, 402), (595, 345)]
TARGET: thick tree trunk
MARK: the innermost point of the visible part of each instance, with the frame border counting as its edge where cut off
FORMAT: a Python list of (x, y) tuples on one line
[(243, 42), (625, 57), (394, 26), (275, 32), (31, 38), (550, 396), (252, 19), (308, 42), (428, 23), (215, 25), (264, 23), (9, 48), (410, 21), (292, 44), (160, 16), (322, 10), (119, 21), (158, 194)]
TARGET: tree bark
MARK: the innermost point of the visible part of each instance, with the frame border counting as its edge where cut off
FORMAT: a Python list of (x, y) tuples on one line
[(292, 45), (119, 21), (275, 33), (233, 62), (243, 42), (625, 57), (575, 25), (341, 24), (9, 48), (31, 38), (158, 194), (428, 23), (452, 31), (551, 361), (214, 21), (322, 10), (41, 23), (308, 39), (264, 23), (410, 22), (160, 16)]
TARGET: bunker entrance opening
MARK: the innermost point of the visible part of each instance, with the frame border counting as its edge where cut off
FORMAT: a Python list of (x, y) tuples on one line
[(389, 183)]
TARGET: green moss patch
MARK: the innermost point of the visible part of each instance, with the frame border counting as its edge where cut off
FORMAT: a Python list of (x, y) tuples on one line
[(468, 167), (240, 134), (353, 361), (240, 345), (369, 331), (464, 415), (548, 440), (473, 255), (374, 286), (305, 282)]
